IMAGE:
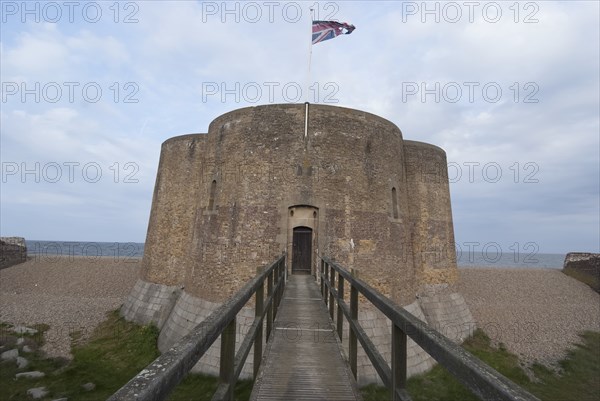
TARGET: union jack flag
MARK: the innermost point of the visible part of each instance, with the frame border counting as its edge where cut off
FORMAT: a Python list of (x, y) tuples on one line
[(324, 30)]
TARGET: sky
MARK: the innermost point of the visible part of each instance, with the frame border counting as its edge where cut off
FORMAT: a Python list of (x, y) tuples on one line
[(510, 90)]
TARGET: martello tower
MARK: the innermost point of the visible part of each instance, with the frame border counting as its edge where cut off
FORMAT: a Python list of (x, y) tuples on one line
[(303, 180)]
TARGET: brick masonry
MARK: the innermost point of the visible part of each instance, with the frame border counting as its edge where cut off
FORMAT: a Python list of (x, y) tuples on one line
[(226, 203)]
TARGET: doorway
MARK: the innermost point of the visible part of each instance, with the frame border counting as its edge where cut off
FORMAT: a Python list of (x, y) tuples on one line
[(302, 250)]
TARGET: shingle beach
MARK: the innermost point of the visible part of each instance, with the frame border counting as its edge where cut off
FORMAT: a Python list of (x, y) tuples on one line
[(536, 313)]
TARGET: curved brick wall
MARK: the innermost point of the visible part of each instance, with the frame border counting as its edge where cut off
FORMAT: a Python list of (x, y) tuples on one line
[(261, 165), (166, 252), (431, 213)]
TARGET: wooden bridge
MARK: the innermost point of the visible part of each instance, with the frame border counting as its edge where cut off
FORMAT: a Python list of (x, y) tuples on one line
[(303, 359)]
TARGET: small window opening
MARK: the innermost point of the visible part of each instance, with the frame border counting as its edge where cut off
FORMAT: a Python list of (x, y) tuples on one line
[(211, 199), (394, 203)]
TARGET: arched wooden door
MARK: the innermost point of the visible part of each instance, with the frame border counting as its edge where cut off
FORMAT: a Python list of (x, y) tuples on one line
[(301, 250)]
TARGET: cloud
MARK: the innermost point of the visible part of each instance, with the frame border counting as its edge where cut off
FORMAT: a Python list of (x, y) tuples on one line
[(543, 125), (44, 53)]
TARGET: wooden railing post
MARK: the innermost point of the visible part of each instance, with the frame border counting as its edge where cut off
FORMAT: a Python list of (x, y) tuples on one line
[(398, 361), (352, 346), (325, 292), (340, 314), (277, 290), (321, 278), (270, 308), (331, 287), (283, 278), (279, 280), (226, 371), (258, 311)]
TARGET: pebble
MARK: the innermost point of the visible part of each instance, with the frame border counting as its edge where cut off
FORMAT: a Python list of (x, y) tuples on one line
[(9, 355), (23, 330), (88, 386), (27, 349), (536, 313), (73, 294), (37, 392), (35, 374), (22, 363)]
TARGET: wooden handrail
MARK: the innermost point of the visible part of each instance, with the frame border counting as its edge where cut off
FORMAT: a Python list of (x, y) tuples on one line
[(159, 379), (485, 382)]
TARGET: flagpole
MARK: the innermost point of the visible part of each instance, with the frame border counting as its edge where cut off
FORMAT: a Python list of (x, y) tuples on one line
[(306, 97)]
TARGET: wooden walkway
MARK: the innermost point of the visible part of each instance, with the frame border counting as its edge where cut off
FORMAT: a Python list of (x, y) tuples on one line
[(303, 359)]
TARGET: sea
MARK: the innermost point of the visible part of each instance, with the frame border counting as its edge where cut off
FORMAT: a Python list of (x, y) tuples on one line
[(134, 250)]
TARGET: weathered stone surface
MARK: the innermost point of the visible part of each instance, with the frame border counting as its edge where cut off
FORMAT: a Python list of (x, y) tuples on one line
[(12, 251), (150, 303), (9, 355), (22, 363), (37, 392), (375, 202), (88, 386), (227, 202), (27, 349), (584, 267), (35, 374), (24, 330), (189, 312)]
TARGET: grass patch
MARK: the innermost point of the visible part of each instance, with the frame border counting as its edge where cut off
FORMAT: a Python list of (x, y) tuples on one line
[(579, 379), (119, 349), (116, 351), (580, 375), (199, 387)]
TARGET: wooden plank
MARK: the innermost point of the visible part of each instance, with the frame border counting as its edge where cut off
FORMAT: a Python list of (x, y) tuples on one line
[(398, 361), (227, 358), (258, 313), (340, 314), (303, 360)]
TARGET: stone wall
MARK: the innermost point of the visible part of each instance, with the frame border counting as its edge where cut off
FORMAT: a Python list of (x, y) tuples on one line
[(584, 267), (12, 251), (222, 200), (172, 217), (430, 214), (225, 203)]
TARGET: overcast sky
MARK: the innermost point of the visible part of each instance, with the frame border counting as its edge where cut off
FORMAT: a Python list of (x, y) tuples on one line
[(510, 90)]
